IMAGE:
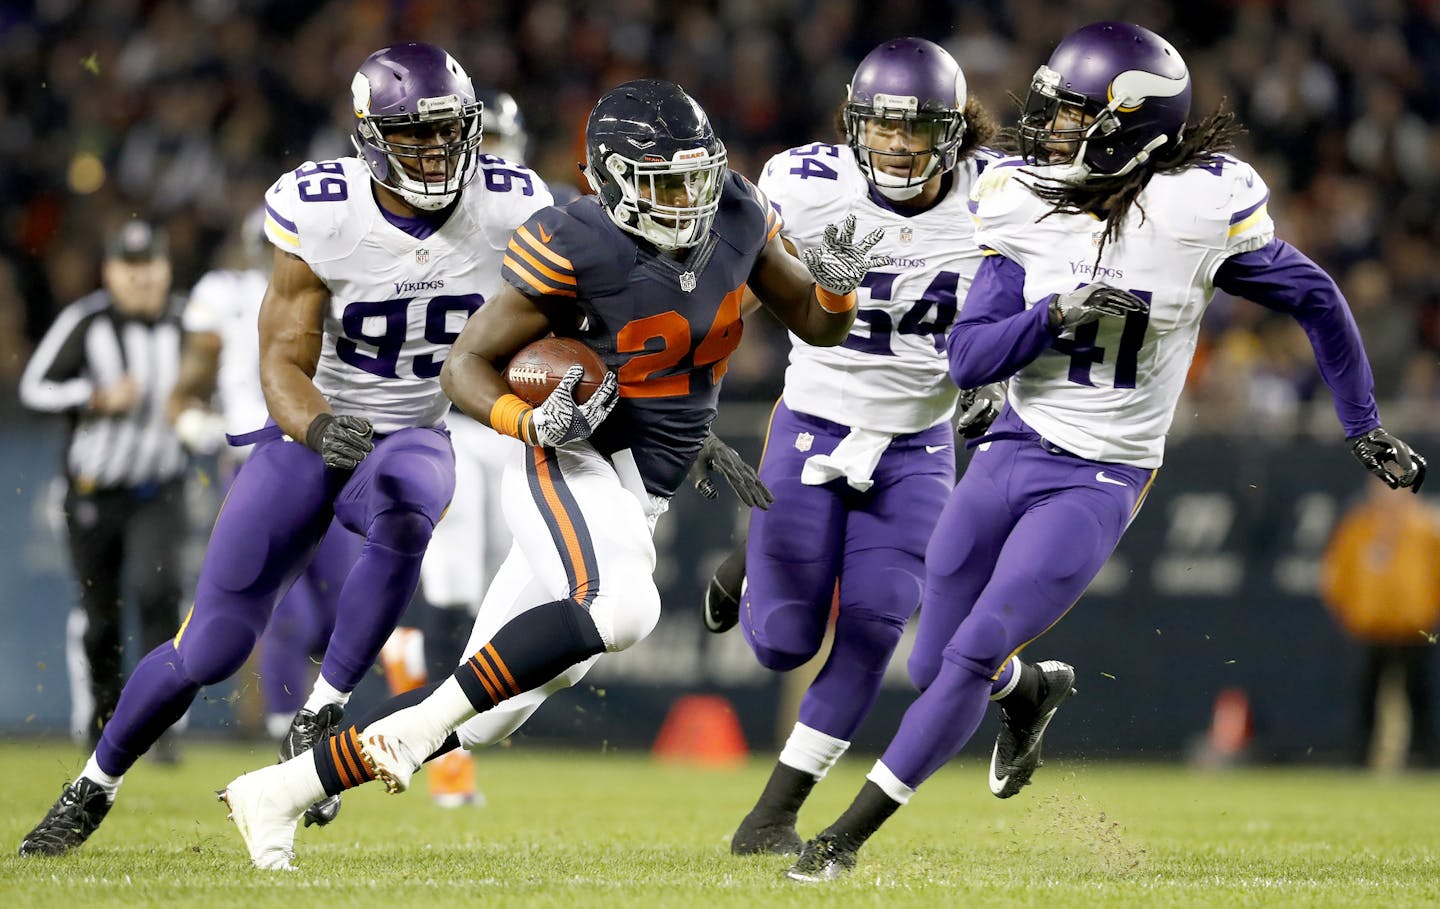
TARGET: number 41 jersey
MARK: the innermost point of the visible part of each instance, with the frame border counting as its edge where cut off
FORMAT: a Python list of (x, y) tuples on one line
[(1107, 390), (891, 374), (401, 290)]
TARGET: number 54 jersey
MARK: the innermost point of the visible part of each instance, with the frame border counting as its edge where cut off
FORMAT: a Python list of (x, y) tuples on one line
[(1107, 390), (890, 375), (400, 289)]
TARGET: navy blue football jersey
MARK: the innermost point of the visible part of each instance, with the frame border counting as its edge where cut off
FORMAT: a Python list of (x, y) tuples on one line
[(666, 326)]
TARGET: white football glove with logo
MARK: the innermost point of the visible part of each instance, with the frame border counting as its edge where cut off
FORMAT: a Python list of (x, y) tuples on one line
[(560, 420), (839, 264)]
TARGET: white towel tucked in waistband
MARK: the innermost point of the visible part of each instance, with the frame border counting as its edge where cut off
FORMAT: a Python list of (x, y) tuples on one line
[(854, 459)]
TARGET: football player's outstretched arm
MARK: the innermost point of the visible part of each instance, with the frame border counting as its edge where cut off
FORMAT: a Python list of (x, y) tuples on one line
[(472, 376), (291, 327), (783, 285), (199, 368)]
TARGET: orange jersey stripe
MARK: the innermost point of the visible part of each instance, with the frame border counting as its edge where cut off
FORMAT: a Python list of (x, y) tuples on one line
[(567, 528), (524, 273), (529, 239), (541, 267)]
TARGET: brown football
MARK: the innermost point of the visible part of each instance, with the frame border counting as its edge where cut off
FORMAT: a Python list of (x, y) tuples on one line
[(538, 367)]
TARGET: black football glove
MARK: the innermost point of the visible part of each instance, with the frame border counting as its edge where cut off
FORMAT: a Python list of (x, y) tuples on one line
[(978, 408), (1389, 459), (715, 456), (342, 441)]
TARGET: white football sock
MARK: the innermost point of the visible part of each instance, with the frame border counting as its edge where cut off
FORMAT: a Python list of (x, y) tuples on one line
[(1014, 680), (297, 781), (324, 693), (889, 783), (94, 774), (812, 751)]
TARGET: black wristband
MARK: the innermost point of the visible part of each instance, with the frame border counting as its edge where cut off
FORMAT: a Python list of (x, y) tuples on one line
[(315, 435)]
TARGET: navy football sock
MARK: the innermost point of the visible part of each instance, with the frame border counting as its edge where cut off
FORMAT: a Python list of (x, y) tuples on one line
[(337, 759), (530, 650)]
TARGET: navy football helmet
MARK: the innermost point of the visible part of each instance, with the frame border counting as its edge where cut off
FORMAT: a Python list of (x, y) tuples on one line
[(1110, 95), (656, 163), (416, 87), (503, 126), (912, 87)]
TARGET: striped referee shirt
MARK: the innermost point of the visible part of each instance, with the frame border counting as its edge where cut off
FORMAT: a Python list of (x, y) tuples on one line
[(92, 345)]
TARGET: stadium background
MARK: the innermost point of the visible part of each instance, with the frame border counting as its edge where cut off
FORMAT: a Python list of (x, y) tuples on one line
[(186, 111)]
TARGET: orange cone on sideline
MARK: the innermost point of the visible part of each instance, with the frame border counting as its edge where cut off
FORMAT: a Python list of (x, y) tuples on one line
[(702, 729)]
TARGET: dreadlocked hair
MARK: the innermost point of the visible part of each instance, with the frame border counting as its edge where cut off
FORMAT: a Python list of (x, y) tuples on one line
[(1199, 145)]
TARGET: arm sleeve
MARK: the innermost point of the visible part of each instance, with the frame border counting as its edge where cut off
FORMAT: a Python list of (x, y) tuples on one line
[(54, 380), (996, 335), (1280, 277)]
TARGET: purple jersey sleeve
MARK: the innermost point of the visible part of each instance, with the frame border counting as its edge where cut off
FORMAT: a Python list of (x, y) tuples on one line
[(1280, 277), (996, 335)]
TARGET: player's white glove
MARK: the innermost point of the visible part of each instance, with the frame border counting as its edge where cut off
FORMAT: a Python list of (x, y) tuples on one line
[(1377, 448), (1088, 303), (560, 421), (839, 264), (978, 408), (200, 431)]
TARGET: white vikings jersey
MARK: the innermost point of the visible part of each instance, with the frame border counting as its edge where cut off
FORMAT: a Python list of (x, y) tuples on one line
[(891, 374), (1107, 390), (397, 303), (227, 303)]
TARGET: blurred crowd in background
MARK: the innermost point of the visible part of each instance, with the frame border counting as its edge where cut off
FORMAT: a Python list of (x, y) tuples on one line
[(186, 110)]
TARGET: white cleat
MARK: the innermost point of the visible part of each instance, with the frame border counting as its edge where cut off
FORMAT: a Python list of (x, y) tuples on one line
[(265, 823), (388, 758)]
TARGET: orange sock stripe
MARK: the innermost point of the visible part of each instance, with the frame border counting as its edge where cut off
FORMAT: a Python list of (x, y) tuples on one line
[(348, 762), (500, 666), (483, 674), (836, 303), (339, 764), (509, 416), (362, 769)]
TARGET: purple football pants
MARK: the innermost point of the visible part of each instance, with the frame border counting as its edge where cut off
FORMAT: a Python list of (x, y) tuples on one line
[(304, 621), (279, 507), (871, 542), (1025, 532)]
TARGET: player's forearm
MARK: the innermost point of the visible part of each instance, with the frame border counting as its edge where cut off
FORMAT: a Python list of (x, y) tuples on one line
[(1281, 278), (291, 396), (820, 318), (473, 384), (996, 336)]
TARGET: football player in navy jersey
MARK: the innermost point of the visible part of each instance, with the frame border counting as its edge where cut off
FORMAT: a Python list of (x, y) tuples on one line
[(379, 260), (650, 273)]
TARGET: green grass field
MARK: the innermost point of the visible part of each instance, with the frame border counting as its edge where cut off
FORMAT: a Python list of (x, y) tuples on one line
[(594, 829)]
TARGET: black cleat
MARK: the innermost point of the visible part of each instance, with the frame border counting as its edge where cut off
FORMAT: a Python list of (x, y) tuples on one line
[(1017, 747), (81, 807), (822, 859), (308, 729), (722, 594), (758, 835)]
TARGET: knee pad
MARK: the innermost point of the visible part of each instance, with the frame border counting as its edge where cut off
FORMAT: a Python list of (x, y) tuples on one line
[(981, 644), (625, 612), (214, 648), (406, 532), (867, 639)]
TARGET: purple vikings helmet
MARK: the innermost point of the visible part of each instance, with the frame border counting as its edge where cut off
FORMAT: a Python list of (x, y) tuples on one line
[(408, 85), (654, 160), (917, 86), (1120, 92)]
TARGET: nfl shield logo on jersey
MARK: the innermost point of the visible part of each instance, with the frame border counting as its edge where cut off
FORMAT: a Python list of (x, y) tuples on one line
[(422, 256), (803, 441), (906, 235), (687, 281)]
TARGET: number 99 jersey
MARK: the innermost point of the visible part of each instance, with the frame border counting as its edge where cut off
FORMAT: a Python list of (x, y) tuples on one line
[(1107, 390), (400, 289), (890, 375)]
